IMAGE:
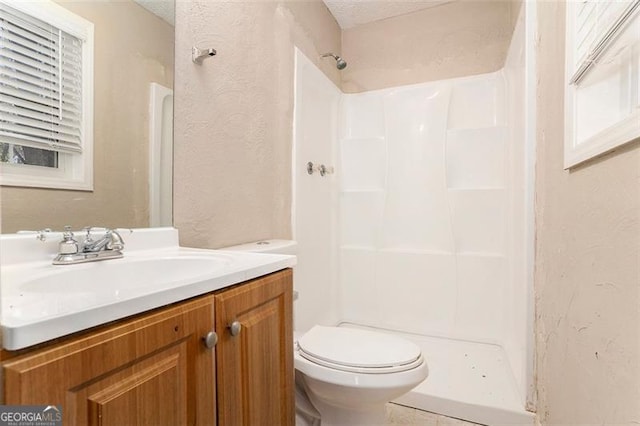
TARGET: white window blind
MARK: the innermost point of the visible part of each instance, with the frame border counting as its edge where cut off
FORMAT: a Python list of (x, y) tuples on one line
[(597, 23), (40, 84)]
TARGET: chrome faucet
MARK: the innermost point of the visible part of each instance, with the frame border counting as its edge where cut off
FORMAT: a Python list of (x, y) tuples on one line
[(70, 251), (112, 240)]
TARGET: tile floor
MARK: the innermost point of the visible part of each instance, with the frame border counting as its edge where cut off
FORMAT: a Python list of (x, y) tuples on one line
[(400, 415)]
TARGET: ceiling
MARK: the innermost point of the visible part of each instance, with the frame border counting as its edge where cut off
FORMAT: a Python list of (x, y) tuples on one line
[(350, 13), (165, 9)]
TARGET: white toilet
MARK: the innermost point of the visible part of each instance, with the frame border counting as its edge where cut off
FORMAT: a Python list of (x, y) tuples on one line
[(348, 374)]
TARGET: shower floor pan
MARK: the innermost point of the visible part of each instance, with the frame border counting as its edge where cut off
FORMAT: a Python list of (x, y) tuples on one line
[(467, 380)]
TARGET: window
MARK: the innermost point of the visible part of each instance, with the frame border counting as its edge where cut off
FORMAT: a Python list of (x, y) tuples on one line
[(602, 95), (46, 96)]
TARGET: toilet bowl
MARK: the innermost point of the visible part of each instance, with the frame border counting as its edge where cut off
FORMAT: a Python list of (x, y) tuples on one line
[(347, 374), (350, 374)]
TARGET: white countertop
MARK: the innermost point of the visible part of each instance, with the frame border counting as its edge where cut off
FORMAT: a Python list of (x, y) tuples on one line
[(41, 301)]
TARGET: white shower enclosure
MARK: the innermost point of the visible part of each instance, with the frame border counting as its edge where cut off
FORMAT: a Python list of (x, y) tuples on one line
[(423, 229)]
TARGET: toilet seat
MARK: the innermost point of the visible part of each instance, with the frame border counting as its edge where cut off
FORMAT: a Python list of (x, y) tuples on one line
[(359, 351)]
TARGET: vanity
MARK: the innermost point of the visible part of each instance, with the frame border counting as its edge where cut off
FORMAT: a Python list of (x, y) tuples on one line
[(164, 336)]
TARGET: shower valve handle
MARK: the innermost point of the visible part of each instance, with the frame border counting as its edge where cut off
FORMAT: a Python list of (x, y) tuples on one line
[(322, 169)]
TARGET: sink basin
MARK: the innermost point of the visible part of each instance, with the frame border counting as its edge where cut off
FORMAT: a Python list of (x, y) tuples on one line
[(46, 291), (41, 301), (124, 275)]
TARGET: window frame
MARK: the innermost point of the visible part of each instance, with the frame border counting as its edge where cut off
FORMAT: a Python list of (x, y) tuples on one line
[(74, 171), (624, 131)]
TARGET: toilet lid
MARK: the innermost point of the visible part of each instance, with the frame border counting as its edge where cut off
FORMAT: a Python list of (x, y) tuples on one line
[(359, 350)]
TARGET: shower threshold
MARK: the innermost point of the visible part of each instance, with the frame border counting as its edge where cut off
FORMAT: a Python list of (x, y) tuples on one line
[(467, 380)]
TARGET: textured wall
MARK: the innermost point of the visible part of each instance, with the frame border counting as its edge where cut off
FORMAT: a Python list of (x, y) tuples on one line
[(587, 263), (233, 115), (455, 39), (132, 49)]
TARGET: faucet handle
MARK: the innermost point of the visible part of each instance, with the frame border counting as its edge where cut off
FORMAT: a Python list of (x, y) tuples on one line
[(68, 233), (68, 245), (42, 234)]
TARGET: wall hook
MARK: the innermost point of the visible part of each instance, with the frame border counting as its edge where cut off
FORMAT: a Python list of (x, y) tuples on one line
[(198, 55)]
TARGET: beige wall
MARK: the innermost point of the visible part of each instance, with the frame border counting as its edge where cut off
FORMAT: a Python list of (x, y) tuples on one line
[(453, 40), (514, 11), (587, 264), (233, 115), (132, 49)]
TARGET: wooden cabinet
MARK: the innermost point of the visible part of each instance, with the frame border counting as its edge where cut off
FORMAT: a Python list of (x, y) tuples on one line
[(155, 368), (254, 357), (152, 370)]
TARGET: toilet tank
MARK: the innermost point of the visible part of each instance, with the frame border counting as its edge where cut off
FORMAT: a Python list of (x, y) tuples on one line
[(270, 247), (267, 246)]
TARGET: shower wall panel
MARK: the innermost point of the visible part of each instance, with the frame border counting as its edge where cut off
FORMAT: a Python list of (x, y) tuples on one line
[(423, 208), (520, 84), (315, 227)]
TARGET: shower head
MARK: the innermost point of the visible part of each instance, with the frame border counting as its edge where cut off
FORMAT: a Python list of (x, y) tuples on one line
[(340, 63)]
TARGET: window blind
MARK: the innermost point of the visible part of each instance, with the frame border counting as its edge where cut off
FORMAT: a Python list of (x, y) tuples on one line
[(597, 23), (40, 84)]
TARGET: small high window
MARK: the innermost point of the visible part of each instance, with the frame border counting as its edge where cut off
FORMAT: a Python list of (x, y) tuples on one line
[(602, 102), (46, 96)]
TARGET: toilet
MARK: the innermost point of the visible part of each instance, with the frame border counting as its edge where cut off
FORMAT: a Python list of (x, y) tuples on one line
[(345, 376)]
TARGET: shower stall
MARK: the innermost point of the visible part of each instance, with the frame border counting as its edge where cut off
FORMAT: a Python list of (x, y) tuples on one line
[(160, 155), (425, 228)]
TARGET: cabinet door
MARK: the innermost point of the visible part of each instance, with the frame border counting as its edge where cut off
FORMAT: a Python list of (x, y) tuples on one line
[(255, 366), (151, 370)]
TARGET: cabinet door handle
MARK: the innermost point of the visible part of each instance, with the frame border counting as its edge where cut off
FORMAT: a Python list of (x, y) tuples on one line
[(235, 327), (210, 339)]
